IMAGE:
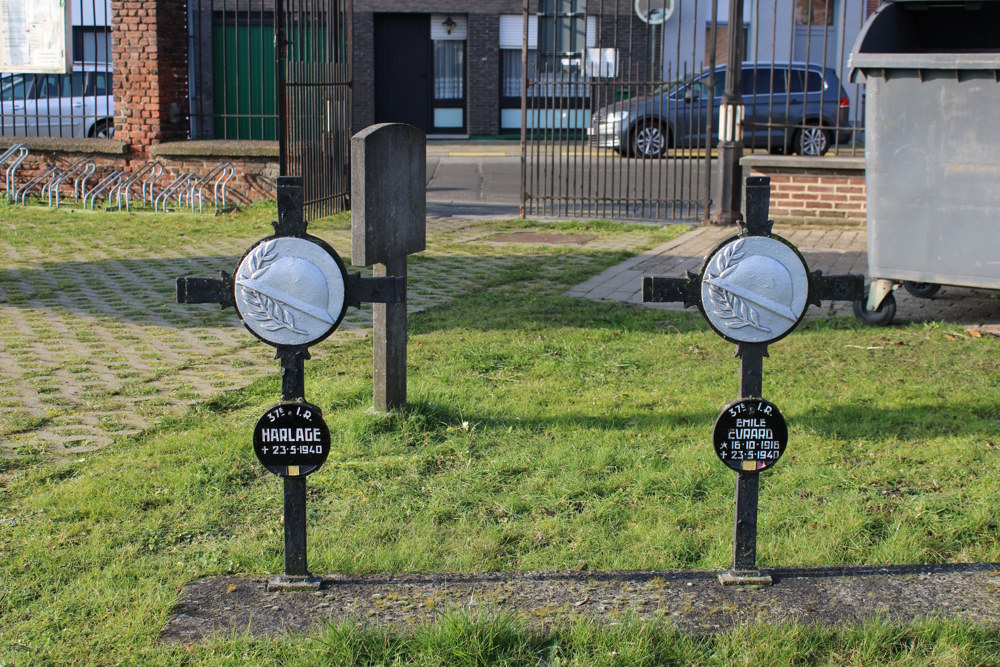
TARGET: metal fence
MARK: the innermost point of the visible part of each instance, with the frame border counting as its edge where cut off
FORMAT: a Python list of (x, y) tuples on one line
[(237, 88), (78, 104), (317, 85), (621, 99)]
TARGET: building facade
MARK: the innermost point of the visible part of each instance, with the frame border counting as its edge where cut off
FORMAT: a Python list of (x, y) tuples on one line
[(453, 68)]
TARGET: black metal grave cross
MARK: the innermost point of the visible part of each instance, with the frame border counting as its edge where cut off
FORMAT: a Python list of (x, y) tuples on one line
[(291, 290), (753, 290)]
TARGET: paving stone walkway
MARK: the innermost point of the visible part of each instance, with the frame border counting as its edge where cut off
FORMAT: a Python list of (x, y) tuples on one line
[(832, 251), (93, 345)]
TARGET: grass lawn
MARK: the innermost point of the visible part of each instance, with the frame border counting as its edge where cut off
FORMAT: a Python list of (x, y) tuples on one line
[(543, 432)]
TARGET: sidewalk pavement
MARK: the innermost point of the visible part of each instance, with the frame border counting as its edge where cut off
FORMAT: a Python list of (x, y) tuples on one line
[(832, 251), (484, 148)]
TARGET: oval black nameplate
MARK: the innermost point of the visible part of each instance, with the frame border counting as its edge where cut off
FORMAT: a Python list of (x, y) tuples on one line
[(750, 435), (291, 439)]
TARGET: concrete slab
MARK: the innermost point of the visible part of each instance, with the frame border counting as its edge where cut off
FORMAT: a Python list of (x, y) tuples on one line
[(692, 600)]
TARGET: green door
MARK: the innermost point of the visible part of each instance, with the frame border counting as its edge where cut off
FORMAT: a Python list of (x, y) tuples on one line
[(243, 75)]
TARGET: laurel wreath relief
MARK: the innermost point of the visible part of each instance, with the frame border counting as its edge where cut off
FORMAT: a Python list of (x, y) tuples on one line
[(270, 313), (737, 313)]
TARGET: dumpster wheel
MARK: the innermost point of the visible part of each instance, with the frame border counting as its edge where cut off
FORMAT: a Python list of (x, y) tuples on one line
[(921, 290), (877, 318)]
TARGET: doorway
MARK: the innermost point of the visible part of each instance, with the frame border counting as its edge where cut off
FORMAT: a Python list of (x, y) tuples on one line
[(403, 69)]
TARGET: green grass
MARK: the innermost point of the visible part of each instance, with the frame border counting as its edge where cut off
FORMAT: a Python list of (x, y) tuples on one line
[(459, 641), (543, 433)]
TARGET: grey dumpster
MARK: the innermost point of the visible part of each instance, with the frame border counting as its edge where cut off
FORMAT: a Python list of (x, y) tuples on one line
[(932, 148)]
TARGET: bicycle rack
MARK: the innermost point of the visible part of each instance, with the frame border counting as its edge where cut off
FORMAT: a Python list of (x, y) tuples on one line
[(20, 153), (45, 176), (107, 184), (46, 191), (149, 173), (222, 173), (220, 189), (175, 187), (149, 182), (82, 169)]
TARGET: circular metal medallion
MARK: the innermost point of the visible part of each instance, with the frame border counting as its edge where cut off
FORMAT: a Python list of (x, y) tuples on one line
[(291, 439), (754, 289), (750, 435), (291, 290)]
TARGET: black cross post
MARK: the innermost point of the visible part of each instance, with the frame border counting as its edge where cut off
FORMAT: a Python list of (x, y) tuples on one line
[(688, 290), (388, 289)]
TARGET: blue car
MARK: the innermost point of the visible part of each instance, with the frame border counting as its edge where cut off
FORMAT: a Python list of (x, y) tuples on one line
[(790, 108)]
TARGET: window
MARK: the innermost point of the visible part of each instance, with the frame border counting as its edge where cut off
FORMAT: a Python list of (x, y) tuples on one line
[(449, 70), (814, 12), (764, 81), (17, 87), (448, 36), (570, 70), (720, 83), (567, 81), (510, 68), (562, 34), (815, 81), (47, 86), (92, 44), (104, 83)]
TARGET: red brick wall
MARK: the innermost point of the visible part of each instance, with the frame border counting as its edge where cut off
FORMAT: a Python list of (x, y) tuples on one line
[(816, 195), (149, 50)]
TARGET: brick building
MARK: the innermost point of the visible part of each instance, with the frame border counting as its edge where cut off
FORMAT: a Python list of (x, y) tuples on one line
[(453, 68)]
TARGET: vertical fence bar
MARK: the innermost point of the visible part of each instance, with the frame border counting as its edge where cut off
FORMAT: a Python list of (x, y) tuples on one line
[(281, 92), (712, 58), (524, 108), (677, 180)]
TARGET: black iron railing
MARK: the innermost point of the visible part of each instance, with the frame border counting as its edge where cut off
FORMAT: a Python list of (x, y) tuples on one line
[(625, 124)]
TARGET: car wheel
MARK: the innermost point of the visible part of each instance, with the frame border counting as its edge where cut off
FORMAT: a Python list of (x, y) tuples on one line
[(103, 129), (880, 317), (811, 140), (921, 290), (649, 140)]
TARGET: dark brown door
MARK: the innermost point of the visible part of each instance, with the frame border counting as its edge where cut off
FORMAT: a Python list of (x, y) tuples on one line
[(403, 69)]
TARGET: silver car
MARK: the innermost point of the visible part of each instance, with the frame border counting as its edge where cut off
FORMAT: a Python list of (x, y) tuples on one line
[(79, 105)]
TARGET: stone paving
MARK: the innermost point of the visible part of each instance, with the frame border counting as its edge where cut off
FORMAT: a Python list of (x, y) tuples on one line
[(93, 345), (832, 251)]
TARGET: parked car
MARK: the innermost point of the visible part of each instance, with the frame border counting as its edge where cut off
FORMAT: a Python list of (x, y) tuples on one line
[(80, 104), (790, 107)]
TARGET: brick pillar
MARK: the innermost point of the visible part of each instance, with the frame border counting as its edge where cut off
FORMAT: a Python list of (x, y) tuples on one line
[(149, 52)]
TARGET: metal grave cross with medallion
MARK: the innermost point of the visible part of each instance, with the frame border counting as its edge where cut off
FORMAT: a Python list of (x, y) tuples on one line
[(753, 290), (291, 290)]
